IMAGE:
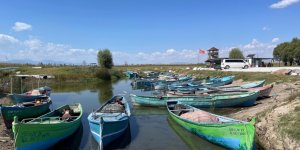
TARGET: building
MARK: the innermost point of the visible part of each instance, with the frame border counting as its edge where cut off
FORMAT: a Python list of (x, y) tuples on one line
[(213, 53)]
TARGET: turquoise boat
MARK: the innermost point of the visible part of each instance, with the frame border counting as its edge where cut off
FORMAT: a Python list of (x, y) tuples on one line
[(212, 100), (25, 110), (244, 86), (47, 130), (227, 132), (218, 81), (110, 121)]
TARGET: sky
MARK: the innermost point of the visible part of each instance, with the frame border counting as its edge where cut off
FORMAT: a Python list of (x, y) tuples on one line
[(142, 31)]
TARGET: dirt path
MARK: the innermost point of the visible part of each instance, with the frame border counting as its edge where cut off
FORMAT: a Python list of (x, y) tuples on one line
[(268, 112)]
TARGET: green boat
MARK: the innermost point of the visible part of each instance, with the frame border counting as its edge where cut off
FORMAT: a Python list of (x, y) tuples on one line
[(24, 110), (227, 132), (190, 139), (213, 100), (47, 130)]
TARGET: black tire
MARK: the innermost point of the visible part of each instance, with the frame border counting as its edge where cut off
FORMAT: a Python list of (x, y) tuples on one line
[(227, 67), (246, 67)]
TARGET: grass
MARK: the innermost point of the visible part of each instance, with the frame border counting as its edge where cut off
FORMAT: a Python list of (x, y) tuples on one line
[(290, 123)]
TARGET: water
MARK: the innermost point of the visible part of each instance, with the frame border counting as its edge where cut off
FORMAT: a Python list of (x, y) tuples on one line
[(150, 128)]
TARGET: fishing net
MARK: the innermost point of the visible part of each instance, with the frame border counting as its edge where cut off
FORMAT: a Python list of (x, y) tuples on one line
[(111, 108), (200, 116)]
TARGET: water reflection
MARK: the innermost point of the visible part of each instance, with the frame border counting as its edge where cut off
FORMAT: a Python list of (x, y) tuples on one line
[(193, 141), (105, 91)]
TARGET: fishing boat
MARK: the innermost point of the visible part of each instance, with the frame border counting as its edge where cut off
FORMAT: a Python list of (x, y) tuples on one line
[(110, 121), (205, 101), (264, 91), (31, 95), (219, 81), (227, 132), (24, 110), (244, 86), (47, 130)]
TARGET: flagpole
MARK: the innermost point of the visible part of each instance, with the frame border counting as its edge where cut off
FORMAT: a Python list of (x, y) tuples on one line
[(198, 58)]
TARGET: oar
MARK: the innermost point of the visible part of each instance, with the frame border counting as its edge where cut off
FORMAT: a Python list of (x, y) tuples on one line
[(100, 133)]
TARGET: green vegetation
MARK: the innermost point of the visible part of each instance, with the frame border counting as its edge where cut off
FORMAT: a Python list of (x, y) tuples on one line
[(105, 59), (236, 53), (290, 123), (288, 52)]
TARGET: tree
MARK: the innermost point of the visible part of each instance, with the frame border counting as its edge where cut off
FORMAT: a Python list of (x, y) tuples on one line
[(105, 59), (236, 53)]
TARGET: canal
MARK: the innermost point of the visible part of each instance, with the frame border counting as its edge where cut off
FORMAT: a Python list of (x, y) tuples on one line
[(150, 128)]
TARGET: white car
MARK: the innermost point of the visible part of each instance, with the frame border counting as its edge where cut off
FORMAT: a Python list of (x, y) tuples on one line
[(234, 63)]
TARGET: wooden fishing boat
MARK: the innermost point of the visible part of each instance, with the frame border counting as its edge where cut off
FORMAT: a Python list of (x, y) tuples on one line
[(25, 110), (31, 95), (244, 86), (264, 91), (219, 81), (227, 132), (205, 101), (110, 121), (48, 129)]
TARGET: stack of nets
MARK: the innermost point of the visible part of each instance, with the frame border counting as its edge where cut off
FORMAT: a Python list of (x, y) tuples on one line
[(112, 108), (200, 116)]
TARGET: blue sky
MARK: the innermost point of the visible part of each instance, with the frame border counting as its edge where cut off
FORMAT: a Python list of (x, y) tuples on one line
[(143, 31)]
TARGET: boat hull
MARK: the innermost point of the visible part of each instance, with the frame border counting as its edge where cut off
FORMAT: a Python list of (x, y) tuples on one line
[(111, 130), (232, 134), (19, 98), (245, 99), (45, 133), (108, 123), (8, 112)]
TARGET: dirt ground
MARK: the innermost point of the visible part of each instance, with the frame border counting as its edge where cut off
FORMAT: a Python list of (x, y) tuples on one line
[(6, 142), (268, 112)]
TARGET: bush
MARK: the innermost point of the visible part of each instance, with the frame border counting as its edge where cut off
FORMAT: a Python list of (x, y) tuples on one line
[(103, 74)]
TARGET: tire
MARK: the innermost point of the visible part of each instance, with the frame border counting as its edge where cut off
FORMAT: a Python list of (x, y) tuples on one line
[(246, 67), (227, 67)]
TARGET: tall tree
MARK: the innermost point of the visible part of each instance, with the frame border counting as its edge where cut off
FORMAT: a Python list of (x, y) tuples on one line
[(105, 59), (236, 53)]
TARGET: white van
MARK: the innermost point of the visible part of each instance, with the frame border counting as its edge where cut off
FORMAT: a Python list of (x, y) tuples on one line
[(234, 63)]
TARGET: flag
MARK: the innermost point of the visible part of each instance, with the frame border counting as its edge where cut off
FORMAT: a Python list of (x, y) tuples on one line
[(201, 51)]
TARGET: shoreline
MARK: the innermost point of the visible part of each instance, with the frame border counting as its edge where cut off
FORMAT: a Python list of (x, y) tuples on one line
[(269, 112)]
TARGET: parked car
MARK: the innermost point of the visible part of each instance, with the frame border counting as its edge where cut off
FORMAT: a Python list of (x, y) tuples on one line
[(234, 63)]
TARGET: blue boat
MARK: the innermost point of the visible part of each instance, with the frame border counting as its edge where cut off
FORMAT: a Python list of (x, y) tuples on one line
[(110, 121), (219, 81), (31, 95), (131, 74)]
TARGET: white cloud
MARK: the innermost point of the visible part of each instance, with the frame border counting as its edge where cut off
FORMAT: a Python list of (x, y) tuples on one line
[(265, 28), (283, 3), (260, 49), (274, 40), (168, 56), (33, 43), (21, 26), (4, 39), (36, 50)]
